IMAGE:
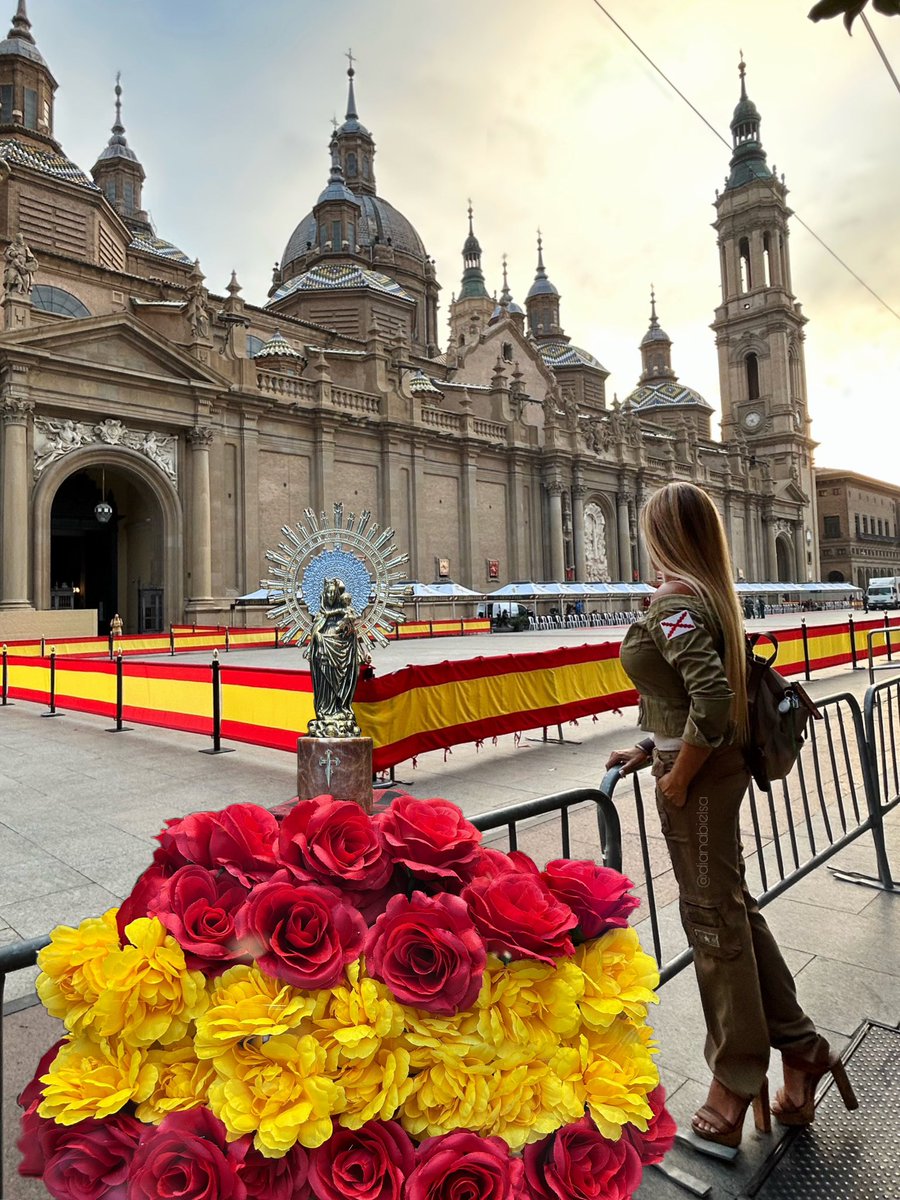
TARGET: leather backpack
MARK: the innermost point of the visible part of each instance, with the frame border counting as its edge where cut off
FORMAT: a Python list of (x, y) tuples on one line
[(778, 713)]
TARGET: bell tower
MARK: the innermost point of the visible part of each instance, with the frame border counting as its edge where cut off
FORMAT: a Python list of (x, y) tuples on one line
[(759, 323)]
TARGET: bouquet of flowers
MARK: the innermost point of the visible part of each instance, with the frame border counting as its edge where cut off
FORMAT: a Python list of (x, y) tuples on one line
[(333, 1006)]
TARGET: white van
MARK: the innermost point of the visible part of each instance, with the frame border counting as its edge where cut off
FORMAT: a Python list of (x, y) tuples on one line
[(884, 593)]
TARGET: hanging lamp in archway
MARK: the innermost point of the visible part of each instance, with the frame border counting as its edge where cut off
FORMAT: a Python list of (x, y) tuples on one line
[(103, 511)]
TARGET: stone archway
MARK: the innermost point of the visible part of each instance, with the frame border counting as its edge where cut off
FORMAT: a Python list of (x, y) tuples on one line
[(784, 555), (143, 552)]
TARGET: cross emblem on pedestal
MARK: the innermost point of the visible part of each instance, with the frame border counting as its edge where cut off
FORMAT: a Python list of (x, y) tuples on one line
[(330, 760)]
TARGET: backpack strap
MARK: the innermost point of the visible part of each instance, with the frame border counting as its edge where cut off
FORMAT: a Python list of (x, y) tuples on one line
[(753, 656)]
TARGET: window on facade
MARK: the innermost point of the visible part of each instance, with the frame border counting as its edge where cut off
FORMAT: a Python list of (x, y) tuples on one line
[(752, 377), (351, 164), (832, 527), (6, 104), (767, 259), (128, 194), (856, 519), (31, 109), (323, 235), (507, 352), (879, 526), (744, 254), (335, 235), (254, 345), (56, 300), (351, 238), (794, 366), (110, 190)]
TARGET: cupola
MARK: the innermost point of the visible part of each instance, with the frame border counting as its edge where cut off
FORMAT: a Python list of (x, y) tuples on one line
[(26, 85)]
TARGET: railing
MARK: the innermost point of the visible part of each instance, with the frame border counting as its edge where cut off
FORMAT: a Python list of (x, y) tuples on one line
[(361, 402), (490, 429), (875, 633), (438, 419), (277, 384), (846, 779)]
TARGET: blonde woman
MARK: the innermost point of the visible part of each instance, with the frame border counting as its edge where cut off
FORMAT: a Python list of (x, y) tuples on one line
[(687, 657)]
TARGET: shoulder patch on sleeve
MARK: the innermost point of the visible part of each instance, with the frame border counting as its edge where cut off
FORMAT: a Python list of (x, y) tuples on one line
[(678, 623)]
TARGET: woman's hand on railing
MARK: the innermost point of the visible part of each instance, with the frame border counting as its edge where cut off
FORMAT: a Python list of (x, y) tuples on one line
[(627, 761)]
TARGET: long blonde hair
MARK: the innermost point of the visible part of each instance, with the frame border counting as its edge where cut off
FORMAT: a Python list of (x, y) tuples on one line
[(685, 538)]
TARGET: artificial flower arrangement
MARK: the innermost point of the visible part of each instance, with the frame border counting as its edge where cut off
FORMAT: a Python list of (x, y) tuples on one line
[(333, 1006)]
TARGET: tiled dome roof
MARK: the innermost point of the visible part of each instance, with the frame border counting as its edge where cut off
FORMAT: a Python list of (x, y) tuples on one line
[(665, 395), (48, 162), (331, 276), (379, 221), (151, 244), (564, 354)]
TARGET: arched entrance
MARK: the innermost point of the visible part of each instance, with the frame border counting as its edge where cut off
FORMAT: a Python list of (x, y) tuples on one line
[(785, 557), (130, 564), (836, 577)]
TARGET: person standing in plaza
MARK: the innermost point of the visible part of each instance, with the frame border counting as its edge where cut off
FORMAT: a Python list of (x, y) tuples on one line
[(687, 659)]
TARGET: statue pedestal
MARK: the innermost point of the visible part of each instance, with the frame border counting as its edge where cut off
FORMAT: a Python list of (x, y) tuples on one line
[(339, 767)]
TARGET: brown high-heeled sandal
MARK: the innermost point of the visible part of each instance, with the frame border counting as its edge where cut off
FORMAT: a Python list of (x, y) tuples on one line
[(788, 1113), (725, 1133)]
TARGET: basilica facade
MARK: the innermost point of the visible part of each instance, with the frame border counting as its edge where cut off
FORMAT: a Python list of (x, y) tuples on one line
[(156, 433)]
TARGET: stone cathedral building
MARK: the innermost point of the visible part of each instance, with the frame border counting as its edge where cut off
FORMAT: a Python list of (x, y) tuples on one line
[(156, 434)]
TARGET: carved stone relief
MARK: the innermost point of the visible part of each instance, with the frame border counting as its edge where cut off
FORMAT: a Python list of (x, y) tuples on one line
[(596, 560), (53, 439)]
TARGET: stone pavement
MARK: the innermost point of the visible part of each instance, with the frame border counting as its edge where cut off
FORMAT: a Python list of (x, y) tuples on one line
[(79, 808)]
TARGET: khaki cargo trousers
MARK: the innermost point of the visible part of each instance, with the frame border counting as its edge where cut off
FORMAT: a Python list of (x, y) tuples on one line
[(747, 992)]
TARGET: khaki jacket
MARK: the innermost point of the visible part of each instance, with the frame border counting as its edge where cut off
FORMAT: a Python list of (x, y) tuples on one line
[(673, 656)]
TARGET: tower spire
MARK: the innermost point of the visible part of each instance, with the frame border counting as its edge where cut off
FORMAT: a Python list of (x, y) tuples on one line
[(748, 161), (742, 71), (542, 301), (21, 26), (654, 323), (473, 276), (505, 295), (352, 114)]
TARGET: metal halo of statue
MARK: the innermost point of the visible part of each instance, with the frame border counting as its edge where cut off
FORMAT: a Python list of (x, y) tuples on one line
[(336, 589)]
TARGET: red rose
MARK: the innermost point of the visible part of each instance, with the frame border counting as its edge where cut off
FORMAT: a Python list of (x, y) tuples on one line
[(335, 842), (655, 1144), (517, 914), (369, 1163), (598, 896), (275, 1178), (240, 838), (579, 1163), (432, 838), (490, 863), (38, 1136), (92, 1160), (144, 894), (188, 1157), (426, 950), (198, 909), (464, 1166), (301, 933)]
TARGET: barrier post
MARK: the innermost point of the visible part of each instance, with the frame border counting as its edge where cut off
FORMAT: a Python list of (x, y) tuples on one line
[(112, 651), (227, 640), (119, 727), (217, 747), (852, 641), (52, 711), (276, 637), (172, 640), (5, 685), (43, 649), (805, 633)]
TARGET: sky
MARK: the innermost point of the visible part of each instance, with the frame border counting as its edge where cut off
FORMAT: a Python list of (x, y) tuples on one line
[(544, 115)]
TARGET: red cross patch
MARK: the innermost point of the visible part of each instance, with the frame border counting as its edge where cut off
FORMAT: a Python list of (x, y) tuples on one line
[(678, 623)]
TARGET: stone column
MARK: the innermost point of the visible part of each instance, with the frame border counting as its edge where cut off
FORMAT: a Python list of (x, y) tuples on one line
[(557, 546), (645, 570), (15, 412), (771, 548), (625, 567), (799, 552), (468, 519), (200, 439), (252, 563), (578, 530), (750, 532)]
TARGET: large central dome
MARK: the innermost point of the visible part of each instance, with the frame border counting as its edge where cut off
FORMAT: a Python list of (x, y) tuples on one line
[(379, 222)]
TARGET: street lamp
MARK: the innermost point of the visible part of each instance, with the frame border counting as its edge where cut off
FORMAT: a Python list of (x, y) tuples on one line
[(103, 511)]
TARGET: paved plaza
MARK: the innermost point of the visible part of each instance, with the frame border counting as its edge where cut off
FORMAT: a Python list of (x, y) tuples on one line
[(79, 807)]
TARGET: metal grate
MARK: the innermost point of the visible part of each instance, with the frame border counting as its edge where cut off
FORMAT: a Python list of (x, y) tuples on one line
[(846, 1155)]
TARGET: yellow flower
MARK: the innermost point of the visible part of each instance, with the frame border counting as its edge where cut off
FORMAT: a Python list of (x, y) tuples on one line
[(277, 1090), (182, 1082), (569, 1064), (618, 977), (149, 995), (450, 1040), (71, 976), (94, 1079), (525, 1007), (244, 1003), (531, 1101), (448, 1096), (359, 1017), (375, 1089), (618, 1078)]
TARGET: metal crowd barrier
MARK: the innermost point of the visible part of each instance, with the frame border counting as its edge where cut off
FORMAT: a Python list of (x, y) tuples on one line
[(846, 780)]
